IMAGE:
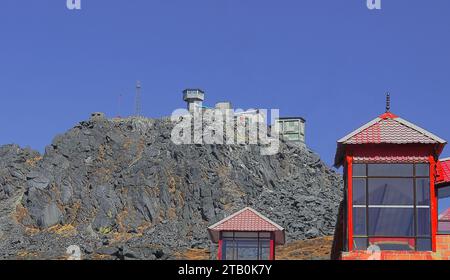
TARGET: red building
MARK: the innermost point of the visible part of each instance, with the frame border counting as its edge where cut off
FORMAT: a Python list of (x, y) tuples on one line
[(246, 235), (443, 193), (394, 183)]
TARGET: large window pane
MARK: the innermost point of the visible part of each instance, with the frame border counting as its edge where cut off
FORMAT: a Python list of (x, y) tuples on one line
[(444, 210), (395, 244), (264, 250), (247, 250), (227, 234), (359, 191), (245, 235), (444, 199), (422, 170), (391, 221), (360, 243), (423, 222), (359, 221), (391, 191), (391, 170), (228, 250), (423, 191), (359, 170), (423, 244)]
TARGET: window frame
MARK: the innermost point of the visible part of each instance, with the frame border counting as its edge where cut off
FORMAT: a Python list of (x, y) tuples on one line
[(260, 239), (439, 189), (415, 205)]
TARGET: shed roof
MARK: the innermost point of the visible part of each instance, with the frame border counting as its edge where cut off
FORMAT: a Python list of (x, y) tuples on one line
[(247, 220), (387, 129), (444, 172)]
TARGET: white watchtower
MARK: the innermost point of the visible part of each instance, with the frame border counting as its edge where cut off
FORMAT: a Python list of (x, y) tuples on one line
[(194, 99)]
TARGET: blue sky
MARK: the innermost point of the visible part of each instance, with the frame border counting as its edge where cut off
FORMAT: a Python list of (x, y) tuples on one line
[(330, 61)]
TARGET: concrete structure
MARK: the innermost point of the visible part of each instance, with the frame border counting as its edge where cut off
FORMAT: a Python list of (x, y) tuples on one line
[(194, 99), (292, 128), (391, 175), (246, 235), (97, 116), (223, 105)]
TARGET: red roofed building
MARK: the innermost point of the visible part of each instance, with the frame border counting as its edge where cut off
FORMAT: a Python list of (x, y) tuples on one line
[(443, 192), (444, 172), (391, 170), (246, 235)]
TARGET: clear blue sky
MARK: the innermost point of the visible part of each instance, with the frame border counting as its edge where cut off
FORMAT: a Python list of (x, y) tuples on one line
[(330, 61)]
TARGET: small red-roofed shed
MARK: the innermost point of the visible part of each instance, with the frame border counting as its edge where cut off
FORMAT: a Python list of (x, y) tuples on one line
[(246, 235)]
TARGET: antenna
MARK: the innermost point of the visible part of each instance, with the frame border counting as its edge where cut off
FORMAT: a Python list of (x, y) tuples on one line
[(138, 99), (388, 102)]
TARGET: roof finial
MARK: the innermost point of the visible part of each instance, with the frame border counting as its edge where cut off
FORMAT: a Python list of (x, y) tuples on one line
[(388, 102)]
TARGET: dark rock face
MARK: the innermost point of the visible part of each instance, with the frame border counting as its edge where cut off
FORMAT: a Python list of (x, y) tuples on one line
[(121, 189)]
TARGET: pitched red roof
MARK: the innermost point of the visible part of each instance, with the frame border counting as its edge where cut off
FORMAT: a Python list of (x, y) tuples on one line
[(443, 171), (387, 129), (247, 220), (390, 129)]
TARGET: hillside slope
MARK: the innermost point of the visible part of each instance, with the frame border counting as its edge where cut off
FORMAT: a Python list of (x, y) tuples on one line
[(119, 188)]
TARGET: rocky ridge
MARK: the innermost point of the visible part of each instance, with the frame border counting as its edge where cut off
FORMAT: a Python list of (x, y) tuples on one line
[(120, 189)]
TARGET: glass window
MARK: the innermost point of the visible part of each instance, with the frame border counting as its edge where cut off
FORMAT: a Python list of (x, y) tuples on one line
[(264, 235), (423, 244), (390, 170), (227, 234), (444, 210), (392, 206), (292, 137), (228, 250), (393, 243), (359, 170), (359, 191), (423, 191), (245, 235), (359, 221), (423, 222), (264, 250), (360, 243), (391, 191), (391, 221), (291, 126), (422, 170), (247, 249)]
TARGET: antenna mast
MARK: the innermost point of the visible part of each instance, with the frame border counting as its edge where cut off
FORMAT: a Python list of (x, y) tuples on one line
[(138, 99), (388, 102)]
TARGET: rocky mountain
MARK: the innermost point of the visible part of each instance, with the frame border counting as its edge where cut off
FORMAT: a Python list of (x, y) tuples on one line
[(120, 189)]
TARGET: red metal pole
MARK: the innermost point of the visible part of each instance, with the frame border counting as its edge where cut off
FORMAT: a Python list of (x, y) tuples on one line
[(350, 202), (433, 203)]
